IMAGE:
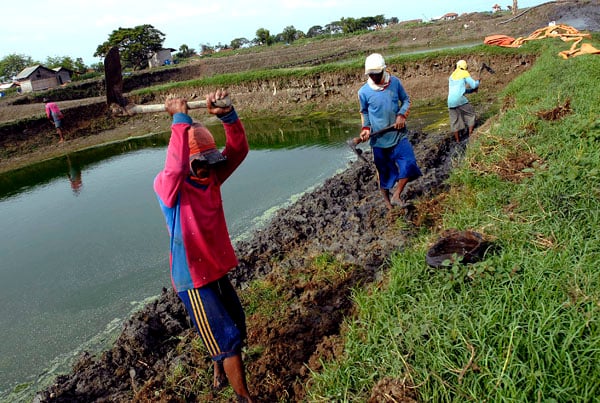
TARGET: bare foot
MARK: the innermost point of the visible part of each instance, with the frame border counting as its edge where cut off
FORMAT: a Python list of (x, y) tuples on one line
[(219, 379), (396, 202)]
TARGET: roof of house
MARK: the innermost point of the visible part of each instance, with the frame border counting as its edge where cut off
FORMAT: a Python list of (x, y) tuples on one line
[(27, 71), (61, 68), (5, 86)]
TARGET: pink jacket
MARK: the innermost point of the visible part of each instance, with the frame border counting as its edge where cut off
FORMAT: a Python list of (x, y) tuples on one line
[(52, 111), (201, 250)]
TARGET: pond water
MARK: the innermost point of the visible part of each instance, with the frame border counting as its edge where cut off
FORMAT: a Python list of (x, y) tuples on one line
[(84, 243)]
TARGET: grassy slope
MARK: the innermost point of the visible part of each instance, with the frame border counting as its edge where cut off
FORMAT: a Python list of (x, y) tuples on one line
[(523, 324)]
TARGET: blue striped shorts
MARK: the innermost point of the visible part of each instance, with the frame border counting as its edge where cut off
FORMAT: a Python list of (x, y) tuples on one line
[(218, 316)]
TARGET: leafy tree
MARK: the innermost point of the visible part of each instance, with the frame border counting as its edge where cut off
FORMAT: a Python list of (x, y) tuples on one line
[(206, 49), (220, 46), (263, 37), (315, 31), (76, 66), (79, 66), (135, 45), (334, 27), (371, 22), (239, 42), (349, 25), (13, 64), (98, 67), (185, 51), (289, 34)]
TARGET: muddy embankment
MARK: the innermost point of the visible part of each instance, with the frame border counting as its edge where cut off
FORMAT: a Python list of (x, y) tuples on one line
[(89, 122), (344, 218), (27, 136)]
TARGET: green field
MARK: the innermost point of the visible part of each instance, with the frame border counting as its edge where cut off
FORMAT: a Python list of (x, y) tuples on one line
[(523, 324)]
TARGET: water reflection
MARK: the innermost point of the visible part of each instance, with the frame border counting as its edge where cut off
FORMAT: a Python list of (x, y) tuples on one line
[(262, 135), (74, 174), (26, 178)]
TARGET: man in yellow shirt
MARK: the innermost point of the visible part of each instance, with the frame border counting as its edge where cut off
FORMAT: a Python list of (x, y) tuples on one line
[(460, 110)]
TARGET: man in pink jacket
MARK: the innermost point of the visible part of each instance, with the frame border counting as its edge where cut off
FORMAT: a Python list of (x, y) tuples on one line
[(189, 194), (56, 116)]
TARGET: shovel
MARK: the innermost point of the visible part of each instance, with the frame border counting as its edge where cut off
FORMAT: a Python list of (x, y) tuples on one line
[(353, 142), (120, 106), (486, 68)]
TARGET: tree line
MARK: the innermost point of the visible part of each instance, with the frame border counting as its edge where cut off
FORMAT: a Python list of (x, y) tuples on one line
[(138, 43)]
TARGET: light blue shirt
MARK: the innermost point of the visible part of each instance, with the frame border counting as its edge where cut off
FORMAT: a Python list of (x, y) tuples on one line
[(458, 88), (380, 108)]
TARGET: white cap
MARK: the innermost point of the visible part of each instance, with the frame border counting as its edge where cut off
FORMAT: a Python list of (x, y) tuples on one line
[(374, 64)]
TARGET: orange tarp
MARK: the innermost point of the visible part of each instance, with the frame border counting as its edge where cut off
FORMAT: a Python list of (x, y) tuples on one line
[(565, 32)]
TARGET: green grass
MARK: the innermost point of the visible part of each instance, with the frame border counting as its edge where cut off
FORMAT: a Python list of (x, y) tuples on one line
[(522, 325)]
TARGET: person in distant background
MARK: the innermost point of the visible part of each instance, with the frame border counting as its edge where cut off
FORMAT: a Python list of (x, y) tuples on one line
[(383, 103), (460, 110), (56, 116)]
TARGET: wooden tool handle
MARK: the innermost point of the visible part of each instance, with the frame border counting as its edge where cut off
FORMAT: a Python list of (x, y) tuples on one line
[(135, 109)]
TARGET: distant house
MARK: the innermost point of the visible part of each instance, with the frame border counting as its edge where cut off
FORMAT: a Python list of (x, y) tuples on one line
[(449, 16), (63, 75), (161, 58), (37, 78)]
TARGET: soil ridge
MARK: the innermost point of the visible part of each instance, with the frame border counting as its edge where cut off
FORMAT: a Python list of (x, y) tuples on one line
[(26, 135)]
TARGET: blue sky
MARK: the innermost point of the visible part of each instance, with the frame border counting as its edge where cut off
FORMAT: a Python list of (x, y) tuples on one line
[(76, 27)]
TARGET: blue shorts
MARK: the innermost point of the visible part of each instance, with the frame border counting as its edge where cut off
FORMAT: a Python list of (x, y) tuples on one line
[(57, 120), (396, 163), (218, 317)]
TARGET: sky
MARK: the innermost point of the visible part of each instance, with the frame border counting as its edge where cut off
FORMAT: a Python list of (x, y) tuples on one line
[(75, 28)]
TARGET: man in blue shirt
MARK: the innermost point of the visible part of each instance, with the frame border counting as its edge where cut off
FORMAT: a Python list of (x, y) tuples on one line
[(460, 110), (384, 103)]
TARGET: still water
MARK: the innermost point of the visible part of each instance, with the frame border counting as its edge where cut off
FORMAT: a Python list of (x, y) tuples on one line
[(83, 241)]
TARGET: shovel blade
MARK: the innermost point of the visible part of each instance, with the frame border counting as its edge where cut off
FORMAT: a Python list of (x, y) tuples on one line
[(356, 150), (488, 68)]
